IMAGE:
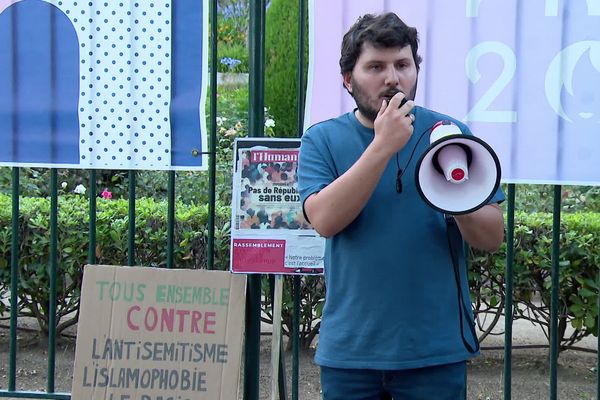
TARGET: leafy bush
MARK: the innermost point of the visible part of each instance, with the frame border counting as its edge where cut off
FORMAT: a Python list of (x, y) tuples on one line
[(578, 291), (539, 198), (312, 300), (579, 262), (150, 241), (112, 222), (35, 182), (281, 65)]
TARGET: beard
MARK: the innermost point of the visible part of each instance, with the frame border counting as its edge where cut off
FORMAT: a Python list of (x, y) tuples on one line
[(368, 106)]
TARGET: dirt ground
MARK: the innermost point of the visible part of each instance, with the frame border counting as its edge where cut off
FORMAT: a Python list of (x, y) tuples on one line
[(530, 373)]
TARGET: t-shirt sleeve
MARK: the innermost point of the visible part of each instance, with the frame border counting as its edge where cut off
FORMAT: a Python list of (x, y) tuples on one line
[(315, 166), (498, 197)]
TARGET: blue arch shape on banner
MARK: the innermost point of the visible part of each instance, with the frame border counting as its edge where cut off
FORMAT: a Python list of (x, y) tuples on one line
[(187, 32), (39, 85)]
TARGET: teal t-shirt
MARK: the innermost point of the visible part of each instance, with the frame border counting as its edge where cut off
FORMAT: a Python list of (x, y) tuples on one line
[(391, 298)]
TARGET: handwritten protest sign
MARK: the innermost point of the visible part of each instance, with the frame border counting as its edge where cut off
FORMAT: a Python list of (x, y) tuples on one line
[(158, 334)]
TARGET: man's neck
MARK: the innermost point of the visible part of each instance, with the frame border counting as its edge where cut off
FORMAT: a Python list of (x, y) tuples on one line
[(364, 121)]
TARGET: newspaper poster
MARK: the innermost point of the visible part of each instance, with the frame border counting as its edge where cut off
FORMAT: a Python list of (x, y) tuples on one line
[(269, 233)]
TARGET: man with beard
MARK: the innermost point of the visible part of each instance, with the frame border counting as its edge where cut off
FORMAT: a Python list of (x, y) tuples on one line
[(397, 320)]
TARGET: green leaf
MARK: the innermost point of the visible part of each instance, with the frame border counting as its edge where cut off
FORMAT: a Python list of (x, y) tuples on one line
[(577, 323), (585, 292), (494, 301), (590, 322)]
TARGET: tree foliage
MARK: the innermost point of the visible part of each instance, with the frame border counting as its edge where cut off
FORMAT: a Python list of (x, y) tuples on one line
[(281, 66)]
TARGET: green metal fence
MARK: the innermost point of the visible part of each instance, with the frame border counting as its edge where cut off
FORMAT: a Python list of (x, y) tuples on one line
[(253, 302)]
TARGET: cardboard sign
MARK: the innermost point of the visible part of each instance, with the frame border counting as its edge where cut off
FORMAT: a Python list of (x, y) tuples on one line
[(159, 334)]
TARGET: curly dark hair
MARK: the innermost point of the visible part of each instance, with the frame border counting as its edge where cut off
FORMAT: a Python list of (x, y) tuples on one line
[(382, 31)]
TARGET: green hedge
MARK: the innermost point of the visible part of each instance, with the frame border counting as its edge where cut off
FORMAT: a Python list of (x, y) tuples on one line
[(112, 222), (579, 261)]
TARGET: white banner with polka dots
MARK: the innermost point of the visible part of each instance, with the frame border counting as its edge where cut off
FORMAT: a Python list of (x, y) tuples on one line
[(110, 84)]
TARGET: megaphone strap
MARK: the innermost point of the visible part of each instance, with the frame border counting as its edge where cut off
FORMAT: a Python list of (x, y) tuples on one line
[(401, 170), (462, 308)]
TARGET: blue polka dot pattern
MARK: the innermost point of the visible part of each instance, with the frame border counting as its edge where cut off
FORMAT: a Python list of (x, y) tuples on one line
[(125, 68)]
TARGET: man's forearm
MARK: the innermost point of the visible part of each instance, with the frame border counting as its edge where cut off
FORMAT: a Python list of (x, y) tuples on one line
[(338, 204), (484, 228)]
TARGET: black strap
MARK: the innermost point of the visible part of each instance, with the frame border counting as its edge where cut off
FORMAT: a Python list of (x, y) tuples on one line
[(453, 231)]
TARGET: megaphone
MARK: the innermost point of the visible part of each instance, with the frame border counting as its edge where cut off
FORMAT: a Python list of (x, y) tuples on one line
[(457, 174)]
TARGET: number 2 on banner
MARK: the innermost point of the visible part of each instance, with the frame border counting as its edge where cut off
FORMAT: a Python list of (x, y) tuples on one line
[(481, 111)]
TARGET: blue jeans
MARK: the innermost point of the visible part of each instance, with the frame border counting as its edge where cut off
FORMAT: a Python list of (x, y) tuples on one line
[(443, 382)]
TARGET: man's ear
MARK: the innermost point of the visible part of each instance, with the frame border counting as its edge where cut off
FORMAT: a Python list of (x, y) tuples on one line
[(348, 81)]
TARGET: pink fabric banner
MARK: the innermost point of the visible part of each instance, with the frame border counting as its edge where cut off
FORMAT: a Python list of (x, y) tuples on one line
[(521, 74)]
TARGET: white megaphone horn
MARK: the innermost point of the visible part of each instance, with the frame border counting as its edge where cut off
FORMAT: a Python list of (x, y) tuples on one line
[(457, 173)]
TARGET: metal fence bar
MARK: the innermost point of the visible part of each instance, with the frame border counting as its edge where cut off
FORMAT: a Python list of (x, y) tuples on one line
[(92, 222), (131, 213), (282, 373), (170, 219), (296, 339), (508, 293), (256, 122), (35, 395), (300, 93), (300, 127), (53, 267), (252, 339), (554, 296), (14, 280), (212, 168)]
